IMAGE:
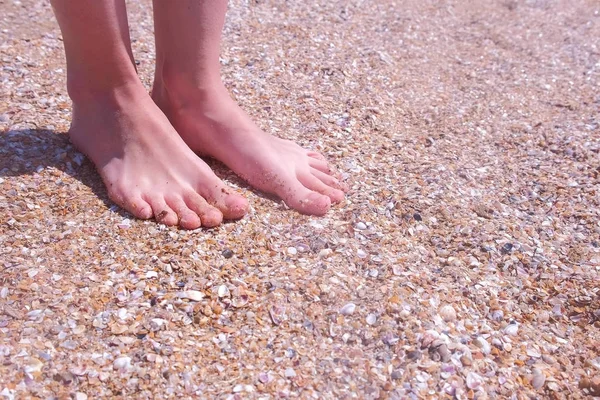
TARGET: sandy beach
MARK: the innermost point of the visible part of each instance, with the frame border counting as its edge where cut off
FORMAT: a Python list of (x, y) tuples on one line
[(464, 262)]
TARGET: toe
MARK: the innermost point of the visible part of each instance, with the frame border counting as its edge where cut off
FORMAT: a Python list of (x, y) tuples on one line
[(329, 180), (162, 212), (139, 207), (209, 215), (188, 219), (314, 154), (320, 165), (314, 183), (133, 203), (231, 204), (304, 200)]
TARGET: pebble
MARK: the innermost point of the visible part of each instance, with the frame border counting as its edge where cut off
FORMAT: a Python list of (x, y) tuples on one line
[(507, 248), (64, 377), (78, 159), (361, 226), (80, 396), (348, 309), (227, 253), (396, 374), (292, 251)]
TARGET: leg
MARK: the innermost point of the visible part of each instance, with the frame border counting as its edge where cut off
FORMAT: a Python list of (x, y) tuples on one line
[(146, 166), (189, 90)]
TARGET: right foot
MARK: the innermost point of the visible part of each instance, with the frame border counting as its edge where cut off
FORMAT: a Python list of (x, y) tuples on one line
[(145, 165)]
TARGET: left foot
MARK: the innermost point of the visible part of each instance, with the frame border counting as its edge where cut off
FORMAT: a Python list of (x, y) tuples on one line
[(212, 124)]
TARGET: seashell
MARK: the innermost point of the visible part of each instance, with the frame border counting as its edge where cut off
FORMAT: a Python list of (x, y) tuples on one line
[(193, 295), (483, 345), (33, 366), (290, 373), (497, 315), (118, 329), (122, 363), (533, 352), (474, 380), (324, 253), (223, 291), (264, 377), (157, 323), (448, 313), (511, 329), (151, 274), (371, 319), (428, 338), (238, 388), (539, 379), (348, 309), (277, 314)]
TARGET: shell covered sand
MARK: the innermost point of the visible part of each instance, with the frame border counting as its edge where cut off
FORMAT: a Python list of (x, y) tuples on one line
[(465, 261)]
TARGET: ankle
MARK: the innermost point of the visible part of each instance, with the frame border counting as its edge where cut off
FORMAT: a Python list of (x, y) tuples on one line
[(179, 88), (81, 91)]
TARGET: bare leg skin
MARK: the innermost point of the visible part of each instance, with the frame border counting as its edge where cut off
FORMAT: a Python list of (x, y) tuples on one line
[(147, 168), (189, 90)]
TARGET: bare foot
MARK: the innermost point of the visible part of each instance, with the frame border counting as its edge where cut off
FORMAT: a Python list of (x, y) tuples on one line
[(145, 165), (212, 124)]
